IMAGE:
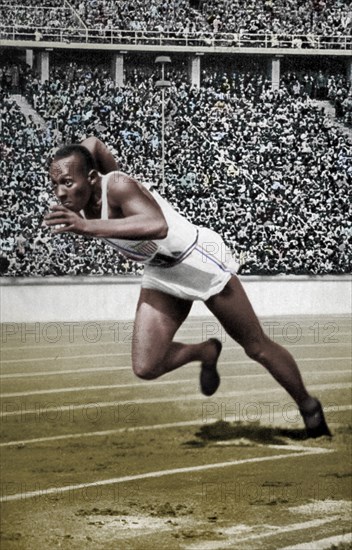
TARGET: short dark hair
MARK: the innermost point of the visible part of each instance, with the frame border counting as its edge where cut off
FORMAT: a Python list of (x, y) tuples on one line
[(76, 149)]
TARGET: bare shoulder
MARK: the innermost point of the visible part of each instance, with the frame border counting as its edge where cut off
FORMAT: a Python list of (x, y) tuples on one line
[(122, 187), (121, 180)]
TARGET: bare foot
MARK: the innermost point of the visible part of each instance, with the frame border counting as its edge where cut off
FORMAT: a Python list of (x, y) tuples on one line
[(209, 377)]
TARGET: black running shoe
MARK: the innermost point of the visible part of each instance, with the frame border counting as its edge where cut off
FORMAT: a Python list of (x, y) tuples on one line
[(209, 376), (315, 422)]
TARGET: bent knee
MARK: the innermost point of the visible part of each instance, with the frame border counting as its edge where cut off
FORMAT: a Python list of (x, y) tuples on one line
[(143, 371), (257, 350)]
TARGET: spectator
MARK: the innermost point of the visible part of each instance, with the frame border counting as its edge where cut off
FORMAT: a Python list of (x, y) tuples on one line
[(265, 155), (314, 25)]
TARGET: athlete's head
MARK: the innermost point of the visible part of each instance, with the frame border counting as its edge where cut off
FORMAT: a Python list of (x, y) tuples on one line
[(85, 157), (73, 174)]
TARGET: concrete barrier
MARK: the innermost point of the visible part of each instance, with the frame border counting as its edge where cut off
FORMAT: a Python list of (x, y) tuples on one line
[(28, 300)]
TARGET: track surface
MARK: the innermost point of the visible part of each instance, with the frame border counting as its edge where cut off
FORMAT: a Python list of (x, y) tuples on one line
[(94, 458)]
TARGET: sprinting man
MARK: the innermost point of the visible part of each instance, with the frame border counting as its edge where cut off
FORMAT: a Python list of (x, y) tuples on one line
[(183, 263)]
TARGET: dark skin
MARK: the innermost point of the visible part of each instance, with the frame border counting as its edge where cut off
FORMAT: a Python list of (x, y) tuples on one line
[(135, 215)]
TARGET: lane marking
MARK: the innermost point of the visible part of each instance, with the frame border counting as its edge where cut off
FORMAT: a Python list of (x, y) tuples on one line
[(98, 370), (193, 397), (128, 353), (271, 531), (322, 544), (162, 473), (93, 388), (136, 384), (63, 357), (237, 362), (185, 423)]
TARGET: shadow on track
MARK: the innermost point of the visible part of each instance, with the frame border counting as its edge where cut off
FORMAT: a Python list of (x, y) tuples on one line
[(225, 431)]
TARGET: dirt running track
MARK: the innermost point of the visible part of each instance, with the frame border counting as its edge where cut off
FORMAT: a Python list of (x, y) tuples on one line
[(94, 458)]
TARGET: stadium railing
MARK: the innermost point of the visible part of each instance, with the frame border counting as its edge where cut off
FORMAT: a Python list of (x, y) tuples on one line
[(157, 38)]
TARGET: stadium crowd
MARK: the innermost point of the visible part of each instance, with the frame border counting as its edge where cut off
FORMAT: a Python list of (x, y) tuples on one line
[(264, 168), (26, 246), (178, 18), (26, 15), (253, 16)]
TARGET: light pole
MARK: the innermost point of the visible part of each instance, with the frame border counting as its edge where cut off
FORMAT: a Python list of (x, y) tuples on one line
[(162, 84)]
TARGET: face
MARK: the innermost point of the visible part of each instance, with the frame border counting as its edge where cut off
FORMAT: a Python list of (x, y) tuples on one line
[(72, 185)]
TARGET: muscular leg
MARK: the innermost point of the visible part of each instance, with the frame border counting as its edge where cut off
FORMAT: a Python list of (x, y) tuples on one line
[(154, 353), (234, 311)]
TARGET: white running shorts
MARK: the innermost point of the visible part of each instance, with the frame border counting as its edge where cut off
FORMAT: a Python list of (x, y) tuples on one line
[(202, 274)]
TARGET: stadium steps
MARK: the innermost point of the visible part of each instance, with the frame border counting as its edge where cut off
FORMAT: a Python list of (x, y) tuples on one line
[(330, 112), (27, 110)]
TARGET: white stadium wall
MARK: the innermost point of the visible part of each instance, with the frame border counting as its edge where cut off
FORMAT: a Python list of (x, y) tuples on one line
[(114, 298)]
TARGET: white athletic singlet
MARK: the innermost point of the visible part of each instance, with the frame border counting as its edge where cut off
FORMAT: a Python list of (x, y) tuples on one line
[(173, 249), (200, 263)]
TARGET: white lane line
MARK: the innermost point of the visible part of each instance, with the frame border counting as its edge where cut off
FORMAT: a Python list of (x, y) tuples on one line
[(128, 353), (237, 362), (162, 473), (322, 544), (21, 408), (142, 385), (67, 344), (98, 370), (64, 357), (185, 423), (271, 531), (94, 388)]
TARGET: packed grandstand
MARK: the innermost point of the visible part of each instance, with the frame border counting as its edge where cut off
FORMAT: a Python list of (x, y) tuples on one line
[(301, 23), (266, 168)]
